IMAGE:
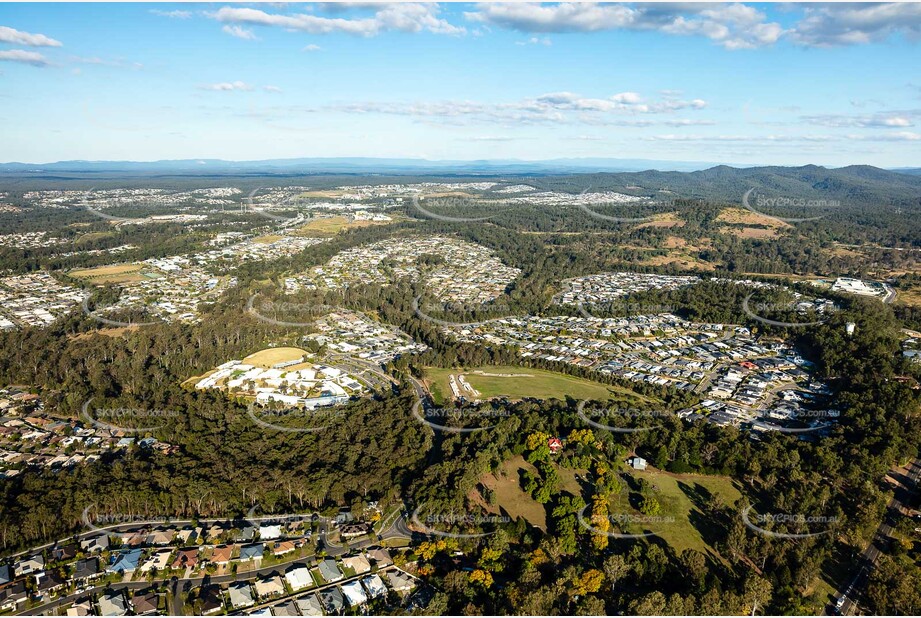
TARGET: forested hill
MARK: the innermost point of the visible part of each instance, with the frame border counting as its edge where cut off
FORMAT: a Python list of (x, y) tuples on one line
[(854, 185)]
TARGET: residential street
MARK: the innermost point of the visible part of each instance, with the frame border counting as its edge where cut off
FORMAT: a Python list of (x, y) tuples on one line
[(907, 484)]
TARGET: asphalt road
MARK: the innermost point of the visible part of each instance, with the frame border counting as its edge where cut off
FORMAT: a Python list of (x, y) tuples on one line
[(867, 561)]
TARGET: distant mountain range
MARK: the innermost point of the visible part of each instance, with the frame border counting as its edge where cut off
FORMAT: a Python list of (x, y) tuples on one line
[(855, 185), (349, 165)]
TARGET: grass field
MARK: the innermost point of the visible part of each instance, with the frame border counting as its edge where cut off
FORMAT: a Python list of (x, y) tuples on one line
[(270, 356), (746, 217), (520, 382), (267, 239), (91, 237), (116, 273), (682, 498), (333, 225), (511, 499)]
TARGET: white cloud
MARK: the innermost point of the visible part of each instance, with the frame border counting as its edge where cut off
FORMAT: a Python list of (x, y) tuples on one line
[(858, 23), (18, 37), (408, 17), (311, 48), (534, 40), (888, 119), (734, 26), (271, 88), (901, 136), (240, 32), (555, 107), (687, 122), (172, 14), (493, 138), (25, 57), (228, 86)]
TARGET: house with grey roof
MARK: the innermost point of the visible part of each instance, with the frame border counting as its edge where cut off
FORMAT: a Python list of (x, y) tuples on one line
[(240, 595), (112, 603), (329, 570), (332, 600), (250, 553), (286, 608)]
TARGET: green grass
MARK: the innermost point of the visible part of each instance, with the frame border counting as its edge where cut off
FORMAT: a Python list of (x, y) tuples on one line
[(682, 498), (526, 382)]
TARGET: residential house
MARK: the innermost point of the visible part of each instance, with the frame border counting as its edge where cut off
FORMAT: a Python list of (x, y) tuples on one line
[(211, 601), (401, 582), (269, 587), (189, 535), (65, 553), (374, 585), (85, 570), (354, 529), (358, 563), (245, 533), (49, 582), (216, 532), (380, 556), (95, 544), (283, 547), (329, 570), (145, 604), (332, 599), (12, 594), (251, 553), (161, 536), (354, 593), (299, 577), (157, 561), (30, 565), (222, 554), (286, 608), (6, 574), (240, 595), (186, 558), (127, 561), (112, 603), (269, 532), (82, 607), (310, 605)]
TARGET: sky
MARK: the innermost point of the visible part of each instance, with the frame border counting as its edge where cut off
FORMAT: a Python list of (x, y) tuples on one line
[(785, 84)]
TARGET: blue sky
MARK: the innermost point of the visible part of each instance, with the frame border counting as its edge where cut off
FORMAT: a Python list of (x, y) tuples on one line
[(734, 83)]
